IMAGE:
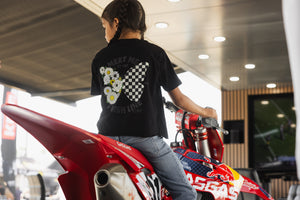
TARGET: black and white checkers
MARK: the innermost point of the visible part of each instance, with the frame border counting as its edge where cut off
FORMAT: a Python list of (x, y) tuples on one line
[(133, 81)]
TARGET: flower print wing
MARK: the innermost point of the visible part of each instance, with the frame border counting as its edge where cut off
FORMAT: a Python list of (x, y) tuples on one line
[(133, 81), (113, 84), (131, 85)]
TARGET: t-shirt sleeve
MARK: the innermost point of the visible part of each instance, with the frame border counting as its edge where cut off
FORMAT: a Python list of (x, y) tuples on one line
[(168, 78), (95, 82)]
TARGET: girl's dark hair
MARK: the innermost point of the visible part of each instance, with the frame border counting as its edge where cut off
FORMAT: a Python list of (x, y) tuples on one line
[(130, 14)]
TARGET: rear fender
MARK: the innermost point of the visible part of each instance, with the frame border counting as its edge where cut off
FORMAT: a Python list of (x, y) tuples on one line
[(80, 153)]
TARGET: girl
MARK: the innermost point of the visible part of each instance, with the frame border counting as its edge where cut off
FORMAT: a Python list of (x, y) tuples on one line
[(128, 74)]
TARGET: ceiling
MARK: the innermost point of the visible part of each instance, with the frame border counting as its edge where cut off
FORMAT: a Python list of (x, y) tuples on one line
[(46, 47)]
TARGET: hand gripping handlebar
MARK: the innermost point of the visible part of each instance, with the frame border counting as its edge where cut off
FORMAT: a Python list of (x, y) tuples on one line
[(206, 122)]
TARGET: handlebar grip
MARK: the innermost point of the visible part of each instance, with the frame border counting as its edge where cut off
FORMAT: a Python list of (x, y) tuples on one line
[(169, 105), (213, 123), (210, 122)]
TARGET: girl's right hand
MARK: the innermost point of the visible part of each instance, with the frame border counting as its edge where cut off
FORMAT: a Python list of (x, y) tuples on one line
[(210, 112)]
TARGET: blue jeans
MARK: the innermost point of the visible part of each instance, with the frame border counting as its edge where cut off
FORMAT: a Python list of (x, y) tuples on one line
[(165, 163)]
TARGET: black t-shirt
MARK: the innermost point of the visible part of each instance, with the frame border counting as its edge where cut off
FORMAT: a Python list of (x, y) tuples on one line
[(128, 74)]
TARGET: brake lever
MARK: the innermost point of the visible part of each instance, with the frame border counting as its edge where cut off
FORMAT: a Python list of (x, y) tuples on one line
[(224, 131)]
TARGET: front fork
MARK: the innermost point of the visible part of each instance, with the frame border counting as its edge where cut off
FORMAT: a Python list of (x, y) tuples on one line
[(201, 143)]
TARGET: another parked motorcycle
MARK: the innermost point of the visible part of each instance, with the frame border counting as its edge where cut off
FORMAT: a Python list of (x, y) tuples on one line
[(100, 168)]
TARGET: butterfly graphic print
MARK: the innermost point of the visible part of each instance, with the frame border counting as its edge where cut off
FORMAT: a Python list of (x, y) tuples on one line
[(131, 85)]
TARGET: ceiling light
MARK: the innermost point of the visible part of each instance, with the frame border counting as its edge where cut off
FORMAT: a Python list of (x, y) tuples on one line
[(219, 39), (173, 1), (234, 78), (203, 56), (249, 66), (271, 85), (264, 102), (280, 115), (161, 25)]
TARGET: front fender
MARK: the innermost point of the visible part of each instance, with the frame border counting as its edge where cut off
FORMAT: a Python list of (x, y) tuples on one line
[(250, 186)]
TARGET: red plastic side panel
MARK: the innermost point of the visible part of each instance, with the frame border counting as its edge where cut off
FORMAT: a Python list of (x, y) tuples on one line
[(79, 152), (129, 154)]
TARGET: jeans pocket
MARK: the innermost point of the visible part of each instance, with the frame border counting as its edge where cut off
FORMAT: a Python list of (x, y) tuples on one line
[(160, 147)]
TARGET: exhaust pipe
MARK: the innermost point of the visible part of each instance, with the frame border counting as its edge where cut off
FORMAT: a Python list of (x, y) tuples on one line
[(102, 178), (113, 183)]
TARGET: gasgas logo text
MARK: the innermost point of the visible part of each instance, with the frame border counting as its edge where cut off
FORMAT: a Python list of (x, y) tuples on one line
[(218, 189), (123, 145)]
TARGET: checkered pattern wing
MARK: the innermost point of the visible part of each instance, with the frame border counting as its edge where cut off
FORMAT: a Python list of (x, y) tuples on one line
[(133, 81)]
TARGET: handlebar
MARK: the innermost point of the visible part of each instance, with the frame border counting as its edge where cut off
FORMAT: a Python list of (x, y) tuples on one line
[(171, 106), (206, 122), (213, 123)]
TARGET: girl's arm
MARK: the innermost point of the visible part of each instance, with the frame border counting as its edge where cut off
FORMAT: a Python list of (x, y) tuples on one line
[(185, 103)]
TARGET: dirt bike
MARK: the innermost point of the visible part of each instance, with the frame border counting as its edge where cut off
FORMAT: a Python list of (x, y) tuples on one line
[(100, 168)]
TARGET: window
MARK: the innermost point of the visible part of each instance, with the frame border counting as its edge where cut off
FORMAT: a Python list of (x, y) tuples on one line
[(236, 131), (272, 132)]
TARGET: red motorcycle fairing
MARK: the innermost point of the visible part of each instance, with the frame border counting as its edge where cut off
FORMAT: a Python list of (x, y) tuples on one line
[(210, 175), (93, 162), (82, 154), (250, 186)]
